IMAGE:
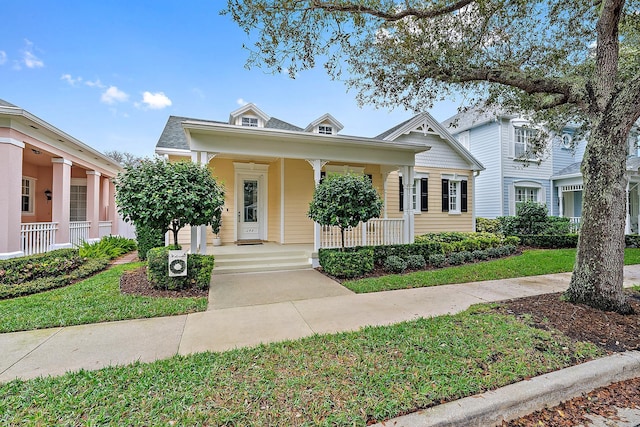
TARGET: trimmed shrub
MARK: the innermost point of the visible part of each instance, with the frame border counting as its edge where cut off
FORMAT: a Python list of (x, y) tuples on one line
[(511, 240), (425, 248), (437, 260), (415, 262), (467, 256), (54, 263), (348, 264), (487, 225), (456, 258), (480, 255), (395, 264), (199, 269), (148, 238), (632, 241), (46, 283), (549, 241), (493, 252)]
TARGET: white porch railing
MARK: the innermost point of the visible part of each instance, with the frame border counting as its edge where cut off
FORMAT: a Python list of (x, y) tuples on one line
[(376, 231), (37, 237), (104, 228), (574, 224), (78, 232)]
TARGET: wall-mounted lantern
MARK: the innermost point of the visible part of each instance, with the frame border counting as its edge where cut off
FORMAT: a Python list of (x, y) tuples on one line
[(47, 194)]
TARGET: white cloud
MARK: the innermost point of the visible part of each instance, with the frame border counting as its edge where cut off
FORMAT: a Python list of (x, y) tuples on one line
[(113, 95), (241, 102), (3, 57), (69, 79), (29, 58), (156, 101), (96, 83)]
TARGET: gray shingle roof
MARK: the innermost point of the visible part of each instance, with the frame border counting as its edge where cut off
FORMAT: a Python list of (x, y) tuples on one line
[(4, 103), (572, 169), (388, 132), (472, 117), (173, 135)]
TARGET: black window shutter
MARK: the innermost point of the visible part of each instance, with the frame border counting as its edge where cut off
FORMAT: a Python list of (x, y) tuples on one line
[(424, 194), (401, 190), (463, 195), (322, 175), (445, 195), (370, 177)]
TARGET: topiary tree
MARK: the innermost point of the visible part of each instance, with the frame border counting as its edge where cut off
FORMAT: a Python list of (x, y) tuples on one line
[(167, 196), (344, 201)]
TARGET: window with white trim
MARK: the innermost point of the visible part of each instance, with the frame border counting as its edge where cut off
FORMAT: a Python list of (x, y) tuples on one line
[(463, 138), (419, 193), (325, 129), (523, 142), (526, 194), (28, 193), (454, 195), (78, 206), (250, 122)]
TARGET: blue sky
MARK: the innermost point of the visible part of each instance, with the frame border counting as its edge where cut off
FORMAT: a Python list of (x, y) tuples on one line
[(110, 73)]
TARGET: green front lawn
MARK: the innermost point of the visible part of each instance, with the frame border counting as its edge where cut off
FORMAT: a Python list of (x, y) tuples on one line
[(97, 299), (530, 263), (345, 379)]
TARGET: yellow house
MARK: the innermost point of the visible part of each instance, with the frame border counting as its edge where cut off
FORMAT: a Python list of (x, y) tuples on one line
[(270, 168)]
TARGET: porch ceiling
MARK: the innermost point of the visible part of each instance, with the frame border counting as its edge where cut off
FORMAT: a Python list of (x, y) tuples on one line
[(269, 143)]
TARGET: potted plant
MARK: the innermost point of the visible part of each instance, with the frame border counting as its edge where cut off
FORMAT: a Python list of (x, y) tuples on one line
[(216, 223)]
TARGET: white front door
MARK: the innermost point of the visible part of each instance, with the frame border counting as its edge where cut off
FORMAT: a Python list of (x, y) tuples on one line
[(250, 204)]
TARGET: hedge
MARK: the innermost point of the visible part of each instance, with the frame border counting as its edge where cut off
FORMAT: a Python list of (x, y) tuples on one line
[(350, 263), (199, 269), (54, 263)]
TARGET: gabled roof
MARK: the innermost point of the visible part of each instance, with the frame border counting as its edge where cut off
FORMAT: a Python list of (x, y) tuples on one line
[(248, 107), (425, 123), (473, 117), (571, 170), (324, 119), (4, 103), (274, 123)]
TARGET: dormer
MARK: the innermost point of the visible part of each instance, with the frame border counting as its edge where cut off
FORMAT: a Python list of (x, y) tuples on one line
[(250, 116), (326, 125)]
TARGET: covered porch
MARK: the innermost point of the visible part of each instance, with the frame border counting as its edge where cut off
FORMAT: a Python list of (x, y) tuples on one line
[(53, 199), (269, 178)]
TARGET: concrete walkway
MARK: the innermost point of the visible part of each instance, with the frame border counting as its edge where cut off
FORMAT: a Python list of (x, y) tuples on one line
[(243, 319)]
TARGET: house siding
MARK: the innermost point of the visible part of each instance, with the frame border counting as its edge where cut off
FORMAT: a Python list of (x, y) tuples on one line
[(274, 202), (298, 188), (484, 143), (440, 155), (508, 196)]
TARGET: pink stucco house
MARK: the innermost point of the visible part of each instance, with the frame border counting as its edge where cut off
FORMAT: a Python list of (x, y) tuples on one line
[(55, 191)]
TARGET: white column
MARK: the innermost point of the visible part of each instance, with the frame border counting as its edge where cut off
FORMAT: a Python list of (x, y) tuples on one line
[(561, 201), (317, 165), (204, 160), (627, 226), (11, 151), (411, 183), (407, 179)]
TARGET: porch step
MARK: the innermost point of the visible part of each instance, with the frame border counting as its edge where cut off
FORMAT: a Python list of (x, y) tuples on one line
[(261, 261)]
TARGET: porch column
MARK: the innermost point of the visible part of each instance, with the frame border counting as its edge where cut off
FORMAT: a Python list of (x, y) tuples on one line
[(194, 247), (407, 183), (561, 201), (93, 204), (205, 158), (317, 165), (627, 225), (61, 200), (10, 197), (112, 212)]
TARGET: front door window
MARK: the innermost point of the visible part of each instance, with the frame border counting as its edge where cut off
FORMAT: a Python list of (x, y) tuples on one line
[(250, 200)]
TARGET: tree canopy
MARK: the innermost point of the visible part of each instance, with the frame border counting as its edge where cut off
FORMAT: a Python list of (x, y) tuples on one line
[(557, 61), (167, 196), (344, 201)]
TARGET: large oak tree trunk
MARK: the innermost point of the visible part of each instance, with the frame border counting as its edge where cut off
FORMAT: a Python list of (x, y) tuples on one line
[(598, 272)]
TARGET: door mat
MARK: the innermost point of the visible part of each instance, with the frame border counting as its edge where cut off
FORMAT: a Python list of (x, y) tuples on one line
[(248, 242)]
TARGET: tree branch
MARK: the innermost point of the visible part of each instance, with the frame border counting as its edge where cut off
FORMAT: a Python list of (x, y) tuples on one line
[(607, 51), (357, 8)]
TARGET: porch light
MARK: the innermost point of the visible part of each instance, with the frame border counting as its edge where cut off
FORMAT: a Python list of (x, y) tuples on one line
[(47, 194)]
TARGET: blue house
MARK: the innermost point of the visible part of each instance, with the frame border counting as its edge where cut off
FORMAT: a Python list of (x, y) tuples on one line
[(500, 141)]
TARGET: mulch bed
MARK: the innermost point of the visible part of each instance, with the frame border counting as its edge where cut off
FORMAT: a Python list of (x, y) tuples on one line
[(135, 282), (610, 331)]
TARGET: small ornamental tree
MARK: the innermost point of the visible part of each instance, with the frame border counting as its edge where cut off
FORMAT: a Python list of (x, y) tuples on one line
[(344, 201), (167, 196)]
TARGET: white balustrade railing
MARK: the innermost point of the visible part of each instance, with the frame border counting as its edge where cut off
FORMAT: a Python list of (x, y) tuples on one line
[(376, 231), (105, 228), (37, 237), (78, 232), (574, 224)]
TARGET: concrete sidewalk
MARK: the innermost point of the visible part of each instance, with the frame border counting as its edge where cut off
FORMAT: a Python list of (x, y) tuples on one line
[(58, 350)]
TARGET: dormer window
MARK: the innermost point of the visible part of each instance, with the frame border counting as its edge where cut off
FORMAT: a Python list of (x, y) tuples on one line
[(250, 122), (325, 129)]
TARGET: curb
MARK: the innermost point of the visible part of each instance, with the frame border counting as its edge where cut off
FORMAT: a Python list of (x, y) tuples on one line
[(522, 398)]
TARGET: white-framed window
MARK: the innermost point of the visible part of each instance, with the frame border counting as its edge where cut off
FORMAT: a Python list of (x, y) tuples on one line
[(526, 194), (525, 191), (28, 195), (250, 121), (325, 129), (454, 194), (523, 138), (78, 206), (419, 193)]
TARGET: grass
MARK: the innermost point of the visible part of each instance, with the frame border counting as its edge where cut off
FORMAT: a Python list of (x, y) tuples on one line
[(97, 299), (346, 379), (529, 263)]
